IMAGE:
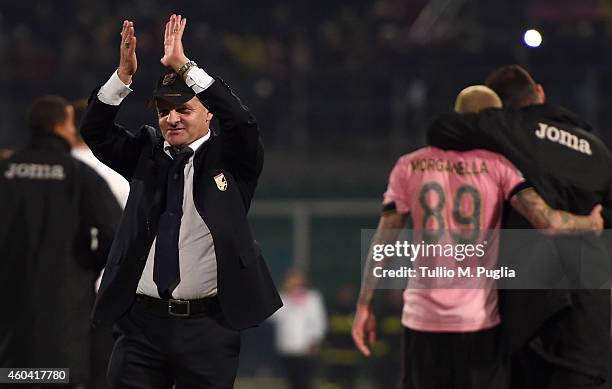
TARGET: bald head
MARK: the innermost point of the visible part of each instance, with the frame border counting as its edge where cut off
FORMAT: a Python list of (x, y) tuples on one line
[(476, 98)]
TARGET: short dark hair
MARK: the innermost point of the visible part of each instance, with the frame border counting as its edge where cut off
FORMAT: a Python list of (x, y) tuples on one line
[(514, 85), (46, 112)]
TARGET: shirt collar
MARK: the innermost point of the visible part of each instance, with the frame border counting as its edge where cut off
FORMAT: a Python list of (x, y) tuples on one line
[(195, 145)]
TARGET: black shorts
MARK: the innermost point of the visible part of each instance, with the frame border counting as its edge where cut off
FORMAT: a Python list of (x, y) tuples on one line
[(453, 360)]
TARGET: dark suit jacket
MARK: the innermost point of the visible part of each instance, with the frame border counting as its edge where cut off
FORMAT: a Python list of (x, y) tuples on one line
[(246, 292)]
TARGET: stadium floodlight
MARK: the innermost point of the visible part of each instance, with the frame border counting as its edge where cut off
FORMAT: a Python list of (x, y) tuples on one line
[(532, 38)]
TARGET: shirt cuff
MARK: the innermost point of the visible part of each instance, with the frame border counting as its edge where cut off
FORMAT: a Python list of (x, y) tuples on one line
[(521, 186), (198, 80), (114, 91)]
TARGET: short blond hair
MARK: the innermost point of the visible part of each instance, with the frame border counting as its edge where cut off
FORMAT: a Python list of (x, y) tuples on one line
[(476, 98)]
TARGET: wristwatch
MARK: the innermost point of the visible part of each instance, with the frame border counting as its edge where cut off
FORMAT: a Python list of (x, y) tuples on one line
[(183, 69)]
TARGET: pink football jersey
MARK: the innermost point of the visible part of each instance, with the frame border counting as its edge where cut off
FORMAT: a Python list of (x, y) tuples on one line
[(452, 197)]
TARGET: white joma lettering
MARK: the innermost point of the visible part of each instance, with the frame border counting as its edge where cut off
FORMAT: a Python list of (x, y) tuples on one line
[(35, 171), (565, 138)]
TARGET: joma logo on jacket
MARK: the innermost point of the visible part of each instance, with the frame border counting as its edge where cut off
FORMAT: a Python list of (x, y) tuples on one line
[(565, 138), (35, 171)]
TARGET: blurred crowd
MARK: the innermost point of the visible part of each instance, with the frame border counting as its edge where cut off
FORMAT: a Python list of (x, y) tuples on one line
[(314, 73), (290, 52)]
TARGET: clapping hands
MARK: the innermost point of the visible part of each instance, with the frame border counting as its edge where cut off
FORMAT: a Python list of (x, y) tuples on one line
[(174, 56)]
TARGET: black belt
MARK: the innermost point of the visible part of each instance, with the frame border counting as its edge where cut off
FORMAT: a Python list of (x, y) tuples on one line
[(180, 308)]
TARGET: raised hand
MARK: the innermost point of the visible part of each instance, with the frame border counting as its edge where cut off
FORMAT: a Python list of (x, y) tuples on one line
[(127, 53), (174, 56)]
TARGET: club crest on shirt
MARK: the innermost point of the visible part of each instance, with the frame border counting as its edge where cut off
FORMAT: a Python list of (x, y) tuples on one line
[(221, 182)]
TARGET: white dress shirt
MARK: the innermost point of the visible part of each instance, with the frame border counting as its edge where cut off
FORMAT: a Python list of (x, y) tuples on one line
[(118, 185), (197, 260)]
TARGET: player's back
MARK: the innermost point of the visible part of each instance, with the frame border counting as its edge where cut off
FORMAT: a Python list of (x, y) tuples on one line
[(452, 197), (455, 188)]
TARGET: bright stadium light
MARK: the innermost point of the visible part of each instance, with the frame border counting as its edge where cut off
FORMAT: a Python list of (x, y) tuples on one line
[(532, 38)]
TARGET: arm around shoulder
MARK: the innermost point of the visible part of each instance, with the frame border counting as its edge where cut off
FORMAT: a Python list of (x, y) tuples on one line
[(553, 221), (468, 131)]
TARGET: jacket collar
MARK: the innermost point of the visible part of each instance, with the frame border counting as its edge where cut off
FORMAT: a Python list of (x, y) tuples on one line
[(49, 141), (561, 114)]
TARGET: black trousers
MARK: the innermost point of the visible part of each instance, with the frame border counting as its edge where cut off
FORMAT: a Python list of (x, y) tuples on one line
[(154, 350), (571, 350), (439, 360), (101, 349), (532, 371)]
